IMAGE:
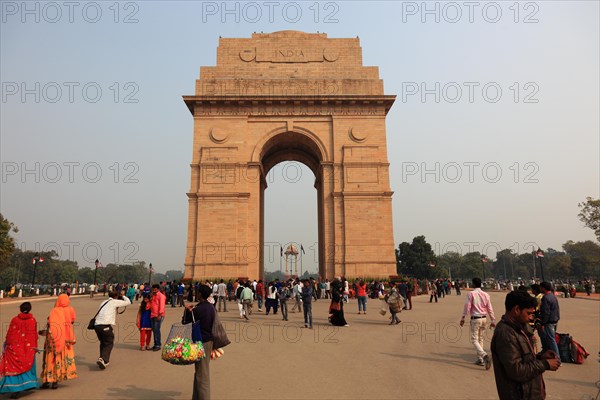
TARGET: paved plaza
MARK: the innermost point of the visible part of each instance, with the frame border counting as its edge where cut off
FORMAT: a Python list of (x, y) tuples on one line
[(427, 356)]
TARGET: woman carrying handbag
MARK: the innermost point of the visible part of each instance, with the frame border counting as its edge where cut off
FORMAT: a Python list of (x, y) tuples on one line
[(204, 315)]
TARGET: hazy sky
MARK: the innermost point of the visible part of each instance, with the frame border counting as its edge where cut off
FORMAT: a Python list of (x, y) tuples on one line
[(492, 141)]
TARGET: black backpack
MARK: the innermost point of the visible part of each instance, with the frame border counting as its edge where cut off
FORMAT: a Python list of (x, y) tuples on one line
[(564, 340), (238, 293)]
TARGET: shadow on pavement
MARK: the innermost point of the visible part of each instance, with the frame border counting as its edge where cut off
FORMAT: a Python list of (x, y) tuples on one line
[(134, 392), (463, 361)]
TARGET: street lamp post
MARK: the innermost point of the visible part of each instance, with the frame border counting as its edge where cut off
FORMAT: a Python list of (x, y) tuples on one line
[(540, 255), (484, 260), (150, 275), (431, 264), (36, 259), (98, 264)]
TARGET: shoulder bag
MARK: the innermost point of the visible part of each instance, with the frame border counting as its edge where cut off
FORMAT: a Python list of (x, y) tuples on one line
[(92, 322)]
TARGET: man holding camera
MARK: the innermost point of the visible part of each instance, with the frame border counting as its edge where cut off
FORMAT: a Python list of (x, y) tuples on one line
[(105, 319)]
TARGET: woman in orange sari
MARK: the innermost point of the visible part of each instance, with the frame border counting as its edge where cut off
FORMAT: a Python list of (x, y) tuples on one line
[(59, 352)]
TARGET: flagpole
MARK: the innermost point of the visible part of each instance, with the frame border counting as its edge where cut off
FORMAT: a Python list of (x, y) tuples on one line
[(301, 261)]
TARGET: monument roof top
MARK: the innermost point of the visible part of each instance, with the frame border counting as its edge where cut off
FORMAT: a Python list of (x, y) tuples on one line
[(289, 34)]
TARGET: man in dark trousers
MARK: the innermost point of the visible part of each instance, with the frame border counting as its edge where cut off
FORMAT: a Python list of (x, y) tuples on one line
[(403, 290), (517, 369), (105, 320), (307, 296)]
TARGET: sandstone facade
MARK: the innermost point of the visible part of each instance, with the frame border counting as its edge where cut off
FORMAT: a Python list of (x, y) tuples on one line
[(289, 96)]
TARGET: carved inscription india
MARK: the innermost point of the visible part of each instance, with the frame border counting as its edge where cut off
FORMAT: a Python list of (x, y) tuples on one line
[(289, 55)]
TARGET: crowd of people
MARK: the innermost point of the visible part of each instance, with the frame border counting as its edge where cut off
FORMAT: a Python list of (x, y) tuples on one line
[(274, 296), (514, 345)]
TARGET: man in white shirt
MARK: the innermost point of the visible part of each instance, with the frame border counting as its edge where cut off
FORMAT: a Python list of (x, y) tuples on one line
[(105, 319), (296, 292)]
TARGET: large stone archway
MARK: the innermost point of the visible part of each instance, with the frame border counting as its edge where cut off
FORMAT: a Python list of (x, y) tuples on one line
[(289, 96)]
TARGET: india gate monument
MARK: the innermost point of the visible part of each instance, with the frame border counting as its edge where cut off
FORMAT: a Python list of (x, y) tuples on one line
[(289, 96)]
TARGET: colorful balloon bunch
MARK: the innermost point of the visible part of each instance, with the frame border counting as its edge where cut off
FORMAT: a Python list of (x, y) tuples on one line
[(182, 351)]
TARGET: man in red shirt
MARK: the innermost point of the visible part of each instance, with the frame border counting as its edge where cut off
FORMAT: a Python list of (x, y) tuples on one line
[(361, 294), (260, 294), (157, 314)]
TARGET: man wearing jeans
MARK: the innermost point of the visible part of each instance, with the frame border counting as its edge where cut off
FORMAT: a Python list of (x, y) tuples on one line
[(307, 296), (549, 316), (478, 307), (260, 294), (157, 314), (361, 295)]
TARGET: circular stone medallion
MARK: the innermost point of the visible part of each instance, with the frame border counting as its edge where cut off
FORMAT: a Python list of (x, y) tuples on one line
[(218, 136), (358, 135), (331, 55), (248, 55)]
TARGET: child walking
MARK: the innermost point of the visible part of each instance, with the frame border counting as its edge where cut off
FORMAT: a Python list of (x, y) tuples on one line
[(144, 323)]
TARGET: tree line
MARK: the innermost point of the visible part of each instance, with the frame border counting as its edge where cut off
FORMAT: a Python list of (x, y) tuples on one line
[(576, 260)]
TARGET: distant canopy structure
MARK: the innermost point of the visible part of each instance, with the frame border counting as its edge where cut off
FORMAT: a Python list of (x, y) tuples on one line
[(291, 251)]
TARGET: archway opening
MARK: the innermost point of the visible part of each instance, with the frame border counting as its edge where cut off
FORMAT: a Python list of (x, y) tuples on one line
[(292, 206), (290, 218)]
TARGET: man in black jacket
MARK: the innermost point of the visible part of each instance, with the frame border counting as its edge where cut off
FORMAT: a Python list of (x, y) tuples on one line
[(517, 370)]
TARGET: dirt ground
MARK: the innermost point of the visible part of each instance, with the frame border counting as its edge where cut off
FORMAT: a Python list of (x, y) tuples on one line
[(427, 356)]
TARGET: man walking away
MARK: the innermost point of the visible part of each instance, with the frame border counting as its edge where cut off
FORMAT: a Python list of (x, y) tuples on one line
[(260, 294), (246, 298), (457, 287), (222, 293), (478, 307), (180, 294)]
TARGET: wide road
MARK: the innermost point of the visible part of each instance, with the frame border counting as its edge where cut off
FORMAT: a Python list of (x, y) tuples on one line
[(427, 356)]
